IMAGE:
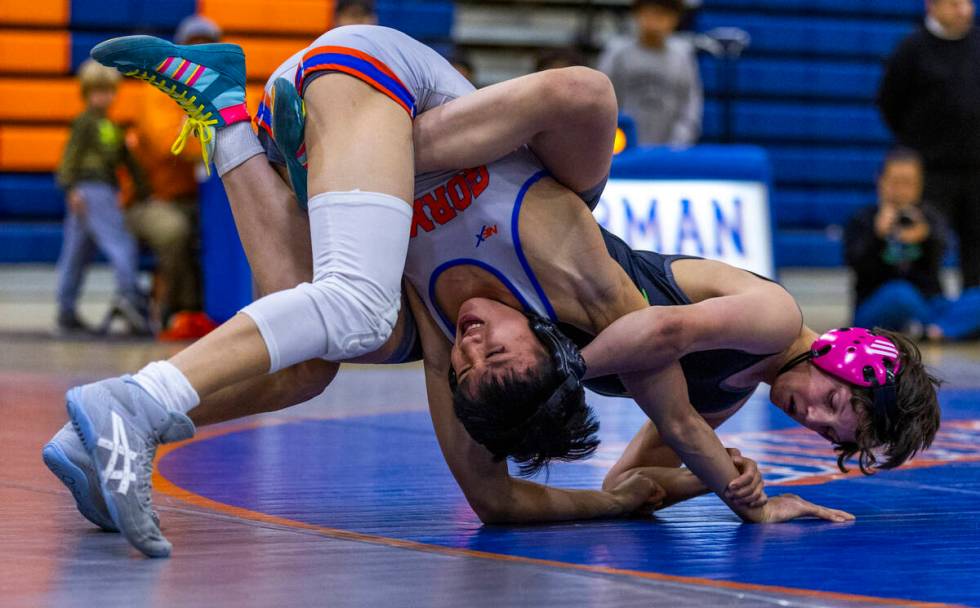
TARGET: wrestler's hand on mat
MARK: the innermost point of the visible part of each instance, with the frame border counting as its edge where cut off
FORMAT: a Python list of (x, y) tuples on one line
[(748, 488), (638, 494), (786, 507)]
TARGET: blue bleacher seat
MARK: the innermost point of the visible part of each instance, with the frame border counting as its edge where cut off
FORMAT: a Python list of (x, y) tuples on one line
[(430, 20), (164, 15), (808, 248), (111, 14), (131, 15), (793, 78), (900, 8), (812, 36), (837, 167), (30, 195), (29, 242), (802, 122), (764, 122), (818, 208)]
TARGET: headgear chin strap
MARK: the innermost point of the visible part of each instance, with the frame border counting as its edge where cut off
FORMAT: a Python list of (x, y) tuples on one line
[(569, 366), (859, 357)]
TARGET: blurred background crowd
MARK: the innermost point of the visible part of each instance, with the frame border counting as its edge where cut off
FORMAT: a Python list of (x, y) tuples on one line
[(869, 111)]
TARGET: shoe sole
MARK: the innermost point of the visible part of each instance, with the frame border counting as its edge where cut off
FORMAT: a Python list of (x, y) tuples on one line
[(77, 482), (105, 52), (84, 427)]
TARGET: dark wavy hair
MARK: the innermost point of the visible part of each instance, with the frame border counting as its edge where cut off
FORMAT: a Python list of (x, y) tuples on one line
[(915, 425), (510, 414)]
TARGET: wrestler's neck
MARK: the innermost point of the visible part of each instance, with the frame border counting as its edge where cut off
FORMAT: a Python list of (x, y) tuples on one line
[(461, 283), (774, 364)]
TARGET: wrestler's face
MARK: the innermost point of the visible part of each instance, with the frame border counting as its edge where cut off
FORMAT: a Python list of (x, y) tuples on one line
[(492, 339), (818, 401)]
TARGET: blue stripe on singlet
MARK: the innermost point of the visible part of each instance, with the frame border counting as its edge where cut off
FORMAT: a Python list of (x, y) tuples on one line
[(479, 264)]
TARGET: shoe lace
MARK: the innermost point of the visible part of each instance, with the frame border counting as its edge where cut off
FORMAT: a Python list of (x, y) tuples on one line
[(199, 123)]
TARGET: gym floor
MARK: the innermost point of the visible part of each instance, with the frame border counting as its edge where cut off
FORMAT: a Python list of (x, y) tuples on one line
[(345, 501)]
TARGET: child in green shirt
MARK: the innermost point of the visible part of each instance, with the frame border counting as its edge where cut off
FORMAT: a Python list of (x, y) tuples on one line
[(87, 173)]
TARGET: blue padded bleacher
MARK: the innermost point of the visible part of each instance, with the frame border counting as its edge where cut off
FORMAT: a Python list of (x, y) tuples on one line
[(159, 15), (29, 242), (805, 90), (428, 20), (812, 36), (808, 248), (900, 8), (824, 167), (816, 209), (30, 196), (765, 122), (789, 78), (794, 122)]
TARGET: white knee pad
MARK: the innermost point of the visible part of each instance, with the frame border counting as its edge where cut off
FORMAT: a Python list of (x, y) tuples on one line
[(360, 240)]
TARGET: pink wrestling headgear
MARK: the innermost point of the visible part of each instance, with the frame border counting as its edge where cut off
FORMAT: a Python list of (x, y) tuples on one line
[(859, 357)]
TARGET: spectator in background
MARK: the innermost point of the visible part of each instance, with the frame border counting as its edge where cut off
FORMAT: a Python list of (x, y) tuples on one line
[(87, 173), (168, 222), (354, 12), (895, 249), (656, 76), (930, 98), (558, 58)]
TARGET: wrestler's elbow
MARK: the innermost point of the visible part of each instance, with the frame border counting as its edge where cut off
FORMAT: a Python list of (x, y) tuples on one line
[(668, 331), (580, 91), (491, 510), (683, 430)]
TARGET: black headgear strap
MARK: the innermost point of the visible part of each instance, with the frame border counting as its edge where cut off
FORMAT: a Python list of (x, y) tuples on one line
[(884, 398)]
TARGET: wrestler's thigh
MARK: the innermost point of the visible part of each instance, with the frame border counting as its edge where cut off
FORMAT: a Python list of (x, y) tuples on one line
[(357, 139)]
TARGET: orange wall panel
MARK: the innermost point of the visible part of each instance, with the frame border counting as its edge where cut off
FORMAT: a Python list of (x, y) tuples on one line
[(34, 12), (27, 99), (311, 17), (127, 103), (34, 52), (58, 100), (264, 55), (31, 148)]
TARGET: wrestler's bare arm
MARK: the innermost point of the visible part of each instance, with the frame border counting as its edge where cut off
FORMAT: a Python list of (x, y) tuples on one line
[(493, 494), (747, 314), (567, 117), (649, 455)]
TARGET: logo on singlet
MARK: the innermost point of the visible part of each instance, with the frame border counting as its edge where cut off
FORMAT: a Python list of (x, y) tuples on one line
[(442, 205), (485, 233)]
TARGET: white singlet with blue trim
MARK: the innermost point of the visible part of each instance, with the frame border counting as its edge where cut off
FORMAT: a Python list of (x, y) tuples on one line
[(465, 217), (471, 218)]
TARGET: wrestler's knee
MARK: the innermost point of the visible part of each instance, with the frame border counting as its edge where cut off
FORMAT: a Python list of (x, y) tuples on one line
[(363, 313), (310, 378)]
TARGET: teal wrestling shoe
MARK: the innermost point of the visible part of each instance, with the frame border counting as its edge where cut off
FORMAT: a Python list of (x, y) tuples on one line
[(288, 127), (206, 80), (121, 425), (65, 456)]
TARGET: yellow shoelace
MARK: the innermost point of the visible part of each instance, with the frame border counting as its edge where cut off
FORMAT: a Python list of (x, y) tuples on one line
[(198, 122)]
